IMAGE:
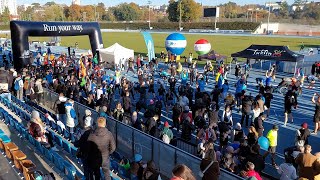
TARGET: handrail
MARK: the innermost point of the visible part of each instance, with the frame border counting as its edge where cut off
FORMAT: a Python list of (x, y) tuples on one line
[(234, 176)]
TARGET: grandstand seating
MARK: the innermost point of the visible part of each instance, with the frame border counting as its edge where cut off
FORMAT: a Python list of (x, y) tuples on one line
[(12, 152), (23, 110)]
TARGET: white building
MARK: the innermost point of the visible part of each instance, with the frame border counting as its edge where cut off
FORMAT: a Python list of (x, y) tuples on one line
[(11, 4), (76, 2)]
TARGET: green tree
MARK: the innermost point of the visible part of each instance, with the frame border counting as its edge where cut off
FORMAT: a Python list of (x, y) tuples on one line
[(173, 15), (36, 5), (312, 11), (53, 13), (50, 3), (190, 10), (5, 16), (125, 12), (284, 10)]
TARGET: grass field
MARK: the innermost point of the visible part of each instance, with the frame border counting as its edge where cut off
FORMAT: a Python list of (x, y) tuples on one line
[(224, 45)]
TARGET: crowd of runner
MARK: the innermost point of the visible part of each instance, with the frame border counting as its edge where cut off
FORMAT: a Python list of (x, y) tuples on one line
[(177, 91)]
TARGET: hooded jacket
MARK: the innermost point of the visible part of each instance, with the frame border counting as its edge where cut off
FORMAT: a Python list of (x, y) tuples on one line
[(71, 115), (101, 145)]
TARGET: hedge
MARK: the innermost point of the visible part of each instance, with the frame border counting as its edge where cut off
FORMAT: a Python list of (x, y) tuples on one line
[(174, 25)]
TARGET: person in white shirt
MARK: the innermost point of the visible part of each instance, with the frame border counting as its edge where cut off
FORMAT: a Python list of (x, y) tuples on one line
[(99, 92)]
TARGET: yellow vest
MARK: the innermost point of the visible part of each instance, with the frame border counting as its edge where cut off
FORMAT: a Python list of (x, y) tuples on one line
[(273, 137)]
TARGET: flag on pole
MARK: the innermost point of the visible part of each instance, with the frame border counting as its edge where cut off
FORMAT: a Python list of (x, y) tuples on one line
[(95, 59)]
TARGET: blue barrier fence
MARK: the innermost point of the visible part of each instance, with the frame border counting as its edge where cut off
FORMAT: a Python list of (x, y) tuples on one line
[(131, 141)]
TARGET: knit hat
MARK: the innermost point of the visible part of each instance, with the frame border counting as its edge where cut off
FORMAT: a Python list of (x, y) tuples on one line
[(87, 112), (304, 125), (166, 124), (35, 114), (137, 158)]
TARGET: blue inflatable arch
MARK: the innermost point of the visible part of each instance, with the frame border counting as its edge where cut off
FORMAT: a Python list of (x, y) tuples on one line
[(21, 30)]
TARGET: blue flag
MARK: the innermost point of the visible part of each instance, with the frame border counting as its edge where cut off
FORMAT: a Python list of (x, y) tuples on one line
[(150, 45)]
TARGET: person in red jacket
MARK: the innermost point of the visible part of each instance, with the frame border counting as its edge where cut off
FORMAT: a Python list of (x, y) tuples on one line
[(251, 172)]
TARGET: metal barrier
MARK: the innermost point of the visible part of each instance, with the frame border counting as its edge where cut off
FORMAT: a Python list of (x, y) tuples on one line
[(131, 141)]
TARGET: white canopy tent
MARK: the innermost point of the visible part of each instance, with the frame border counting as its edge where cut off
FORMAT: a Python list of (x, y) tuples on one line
[(115, 55)]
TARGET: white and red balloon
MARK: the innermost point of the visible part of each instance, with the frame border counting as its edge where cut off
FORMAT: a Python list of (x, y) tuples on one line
[(202, 47)]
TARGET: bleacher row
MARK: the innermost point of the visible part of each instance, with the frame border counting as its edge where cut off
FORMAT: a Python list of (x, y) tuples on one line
[(61, 138), (19, 159)]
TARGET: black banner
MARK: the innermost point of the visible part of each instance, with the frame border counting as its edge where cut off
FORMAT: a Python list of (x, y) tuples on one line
[(21, 30), (279, 53)]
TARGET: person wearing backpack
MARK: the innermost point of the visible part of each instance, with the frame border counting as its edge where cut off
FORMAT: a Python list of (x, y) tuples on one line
[(18, 87), (166, 134), (302, 135)]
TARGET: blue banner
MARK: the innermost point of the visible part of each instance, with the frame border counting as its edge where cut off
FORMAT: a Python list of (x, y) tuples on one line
[(150, 45)]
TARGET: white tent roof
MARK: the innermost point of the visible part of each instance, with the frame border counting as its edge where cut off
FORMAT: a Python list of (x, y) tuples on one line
[(116, 49), (116, 54)]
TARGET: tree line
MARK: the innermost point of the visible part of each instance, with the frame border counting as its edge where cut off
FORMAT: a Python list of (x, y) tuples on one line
[(191, 11)]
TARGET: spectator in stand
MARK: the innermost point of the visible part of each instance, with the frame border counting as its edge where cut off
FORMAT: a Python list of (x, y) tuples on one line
[(87, 119), (287, 170), (60, 108), (316, 117), (182, 172), (71, 117), (83, 151), (166, 133), (101, 144), (38, 131), (316, 166), (211, 165), (118, 112), (252, 136), (136, 123), (251, 172), (18, 87), (273, 140), (151, 172), (305, 163), (257, 159)]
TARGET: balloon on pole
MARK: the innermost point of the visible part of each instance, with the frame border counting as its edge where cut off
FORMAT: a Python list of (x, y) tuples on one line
[(202, 47), (176, 43)]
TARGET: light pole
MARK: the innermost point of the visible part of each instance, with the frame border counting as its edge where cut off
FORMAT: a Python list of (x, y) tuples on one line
[(180, 14), (95, 12), (149, 3), (268, 18)]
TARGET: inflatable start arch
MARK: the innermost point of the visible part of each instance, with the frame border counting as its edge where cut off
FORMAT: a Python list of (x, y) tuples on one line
[(21, 30)]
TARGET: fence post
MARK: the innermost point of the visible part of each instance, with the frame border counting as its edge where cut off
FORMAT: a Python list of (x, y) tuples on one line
[(133, 139)]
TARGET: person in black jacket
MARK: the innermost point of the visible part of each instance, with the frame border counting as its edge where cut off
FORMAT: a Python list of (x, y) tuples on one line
[(302, 135), (83, 150), (247, 102), (187, 129), (100, 145), (136, 123), (256, 158), (258, 124)]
